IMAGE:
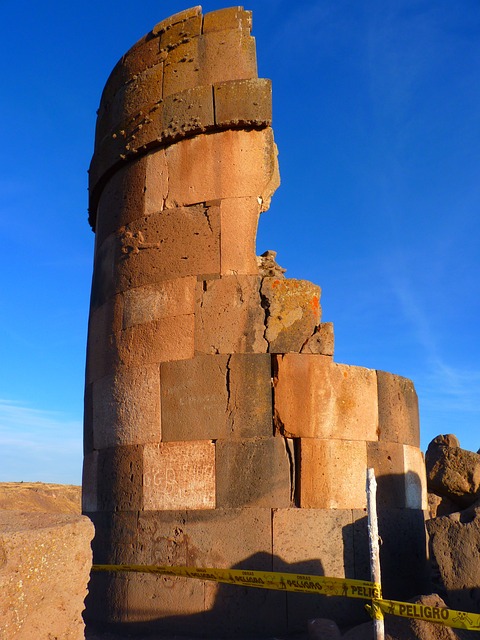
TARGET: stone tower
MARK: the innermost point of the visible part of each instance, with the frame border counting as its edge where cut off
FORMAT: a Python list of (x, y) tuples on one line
[(218, 430)]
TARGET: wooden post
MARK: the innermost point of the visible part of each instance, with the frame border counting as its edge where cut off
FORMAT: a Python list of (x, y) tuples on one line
[(373, 539)]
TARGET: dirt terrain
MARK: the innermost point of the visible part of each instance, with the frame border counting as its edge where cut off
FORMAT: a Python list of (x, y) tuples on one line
[(38, 496)]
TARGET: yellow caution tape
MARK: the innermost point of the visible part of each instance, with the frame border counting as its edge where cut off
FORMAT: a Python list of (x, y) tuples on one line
[(301, 583), (441, 615), (321, 585)]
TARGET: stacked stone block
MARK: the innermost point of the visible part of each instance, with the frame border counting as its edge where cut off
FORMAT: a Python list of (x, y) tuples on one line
[(218, 430)]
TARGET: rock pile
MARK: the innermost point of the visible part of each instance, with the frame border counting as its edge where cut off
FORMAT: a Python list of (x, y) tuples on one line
[(453, 477)]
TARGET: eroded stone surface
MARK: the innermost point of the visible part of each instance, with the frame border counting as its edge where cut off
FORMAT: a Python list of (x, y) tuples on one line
[(40, 598)]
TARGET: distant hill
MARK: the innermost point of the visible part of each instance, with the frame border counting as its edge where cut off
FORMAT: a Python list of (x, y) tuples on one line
[(39, 496)]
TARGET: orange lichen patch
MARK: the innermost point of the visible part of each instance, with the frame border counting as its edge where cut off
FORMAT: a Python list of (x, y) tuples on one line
[(315, 303)]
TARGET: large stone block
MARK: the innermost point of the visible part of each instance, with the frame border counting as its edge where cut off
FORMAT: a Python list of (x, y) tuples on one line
[(103, 324), (239, 222), (293, 313), (249, 410), (122, 199), (387, 460), (143, 90), (195, 398), (182, 67), (170, 244), (322, 341), (217, 396), (167, 298), (126, 407), (162, 538), (403, 556), (234, 164), (46, 561), (186, 112), (159, 341), (317, 542), (156, 183), (227, 55), (397, 409), (243, 103), (116, 539), (253, 473), (332, 474), (119, 479), (90, 482), (229, 317), (316, 398), (229, 18), (179, 475)]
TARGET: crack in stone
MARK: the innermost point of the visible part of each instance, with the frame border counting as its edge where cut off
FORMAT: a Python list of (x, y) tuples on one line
[(230, 412), (290, 451), (265, 304)]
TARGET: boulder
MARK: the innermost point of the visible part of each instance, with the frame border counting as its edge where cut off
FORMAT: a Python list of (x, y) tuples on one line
[(397, 628), (323, 629), (453, 472), (454, 545), (441, 506), (45, 562)]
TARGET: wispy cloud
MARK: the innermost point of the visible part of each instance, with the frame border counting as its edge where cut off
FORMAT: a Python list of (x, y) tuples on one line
[(449, 394), (38, 445)]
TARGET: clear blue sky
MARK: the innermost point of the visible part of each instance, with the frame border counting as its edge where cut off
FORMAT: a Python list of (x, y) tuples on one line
[(377, 119)]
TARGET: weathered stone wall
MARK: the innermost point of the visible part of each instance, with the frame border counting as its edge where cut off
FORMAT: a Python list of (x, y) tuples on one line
[(218, 430), (45, 562)]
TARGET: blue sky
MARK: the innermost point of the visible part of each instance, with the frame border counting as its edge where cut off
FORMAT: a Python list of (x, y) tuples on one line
[(376, 116)]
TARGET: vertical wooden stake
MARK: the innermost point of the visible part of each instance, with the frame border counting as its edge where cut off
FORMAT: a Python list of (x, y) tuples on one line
[(373, 540)]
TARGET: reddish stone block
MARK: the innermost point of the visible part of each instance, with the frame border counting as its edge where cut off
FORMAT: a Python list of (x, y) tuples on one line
[(120, 474), (322, 341), (126, 407), (386, 459), (194, 398), (138, 94), (182, 67), (243, 103), (168, 298), (174, 34), (159, 341), (253, 473), (155, 183), (239, 222), (235, 164), (179, 475), (229, 18), (316, 398), (187, 112), (227, 55), (332, 474), (293, 313), (170, 244), (179, 18), (122, 199), (229, 317), (398, 419), (415, 478)]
